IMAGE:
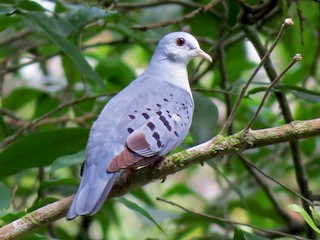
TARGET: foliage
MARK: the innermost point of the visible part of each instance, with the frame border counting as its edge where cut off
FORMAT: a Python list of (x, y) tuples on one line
[(60, 61)]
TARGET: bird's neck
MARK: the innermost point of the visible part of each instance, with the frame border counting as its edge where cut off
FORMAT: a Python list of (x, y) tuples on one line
[(172, 72)]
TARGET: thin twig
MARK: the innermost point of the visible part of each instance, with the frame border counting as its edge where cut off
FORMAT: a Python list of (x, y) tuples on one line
[(253, 172), (177, 20), (215, 218), (212, 91), (287, 22), (20, 131), (63, 119), (154, 3), (295, 59), (275, 181), (16, 36), (219, 43), (44, 58)]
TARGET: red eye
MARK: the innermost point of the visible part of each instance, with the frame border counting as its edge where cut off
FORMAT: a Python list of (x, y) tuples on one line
[(180, 41)]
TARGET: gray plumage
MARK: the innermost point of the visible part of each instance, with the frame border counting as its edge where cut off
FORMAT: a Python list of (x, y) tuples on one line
[(145, 121)]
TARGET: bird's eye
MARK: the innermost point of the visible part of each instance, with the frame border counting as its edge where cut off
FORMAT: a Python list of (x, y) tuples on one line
[(180, 41)]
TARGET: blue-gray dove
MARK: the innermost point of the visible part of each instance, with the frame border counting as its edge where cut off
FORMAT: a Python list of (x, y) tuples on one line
[(142, 123)]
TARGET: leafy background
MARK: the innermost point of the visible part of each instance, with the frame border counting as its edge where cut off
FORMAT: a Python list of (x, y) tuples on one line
[(60, 62)]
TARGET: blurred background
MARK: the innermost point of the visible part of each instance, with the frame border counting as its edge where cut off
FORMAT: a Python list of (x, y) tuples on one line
[(60, 62)]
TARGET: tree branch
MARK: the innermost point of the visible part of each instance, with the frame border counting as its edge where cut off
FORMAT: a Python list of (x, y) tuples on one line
[(218, 146), (177, 20)]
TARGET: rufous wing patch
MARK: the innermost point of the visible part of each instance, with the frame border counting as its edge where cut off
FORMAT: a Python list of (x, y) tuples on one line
[(123, 160), (129, 159)]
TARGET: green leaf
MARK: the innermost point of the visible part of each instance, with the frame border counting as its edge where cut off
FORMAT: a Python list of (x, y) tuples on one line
[(4, 130), (242, 235), (142, 196), (20, 96), (305, 215), (180, 189), (117, 73), (41, 149), (36, 236), (299, 92), (30, 6), (52, 183), (44, 103), (42, 22), (5, 199), (42, 202), (136, 208), (205, 119), (66, 161), (85, 16), (233, 186), (8, 23), (310, 97), (6, 8)]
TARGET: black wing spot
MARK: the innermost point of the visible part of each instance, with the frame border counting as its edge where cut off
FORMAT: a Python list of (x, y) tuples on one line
[(158, 105), (130, 130), (165, 122), (171, 95), (166, 100), (151, 126), (175, 133), (146, 115), (159, 113), (131, 116), (156, 136), (149, 109)]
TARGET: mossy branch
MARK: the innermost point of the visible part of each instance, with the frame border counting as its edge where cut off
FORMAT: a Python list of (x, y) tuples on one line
[(216, 147)]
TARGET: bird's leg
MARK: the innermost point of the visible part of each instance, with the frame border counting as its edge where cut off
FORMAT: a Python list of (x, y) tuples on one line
[(156, 163), (163, 179), (127, 173)]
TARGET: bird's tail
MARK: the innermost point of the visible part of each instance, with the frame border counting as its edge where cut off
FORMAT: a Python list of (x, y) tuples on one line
[(93, 190)]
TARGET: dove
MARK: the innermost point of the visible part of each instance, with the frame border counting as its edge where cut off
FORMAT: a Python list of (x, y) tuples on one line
[(141, 124)]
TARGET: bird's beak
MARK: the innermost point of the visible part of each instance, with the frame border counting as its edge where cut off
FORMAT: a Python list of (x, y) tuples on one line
[(203, 54)]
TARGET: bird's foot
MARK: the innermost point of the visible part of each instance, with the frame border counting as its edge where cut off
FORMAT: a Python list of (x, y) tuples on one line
[(127, 173), (156, 163)]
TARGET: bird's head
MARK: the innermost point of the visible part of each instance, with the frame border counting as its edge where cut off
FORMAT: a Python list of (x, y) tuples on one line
[(179, 47)]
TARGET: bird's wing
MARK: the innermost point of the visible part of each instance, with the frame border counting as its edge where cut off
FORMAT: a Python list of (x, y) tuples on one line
[(147, 139), (154, 131)]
